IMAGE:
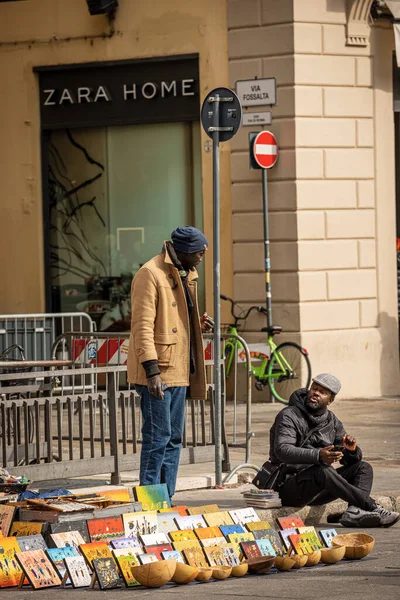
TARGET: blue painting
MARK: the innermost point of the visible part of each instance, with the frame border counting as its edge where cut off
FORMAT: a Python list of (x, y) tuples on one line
[(228, 529)]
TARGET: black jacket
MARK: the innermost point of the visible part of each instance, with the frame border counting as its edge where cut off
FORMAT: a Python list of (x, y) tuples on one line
[(290, 429)]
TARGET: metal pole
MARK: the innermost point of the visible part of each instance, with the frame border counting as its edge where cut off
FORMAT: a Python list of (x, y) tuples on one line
[(266, 249), (217, 292)]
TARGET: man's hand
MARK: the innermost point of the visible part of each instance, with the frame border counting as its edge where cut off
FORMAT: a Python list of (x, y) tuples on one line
[(349, 442), (154, 385), (328, 456), (207, 323)]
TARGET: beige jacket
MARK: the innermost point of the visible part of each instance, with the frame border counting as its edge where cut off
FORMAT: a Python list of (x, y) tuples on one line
[(160, 326)]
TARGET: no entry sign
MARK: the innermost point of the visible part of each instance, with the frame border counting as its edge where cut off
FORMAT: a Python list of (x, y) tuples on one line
[(265, 149)]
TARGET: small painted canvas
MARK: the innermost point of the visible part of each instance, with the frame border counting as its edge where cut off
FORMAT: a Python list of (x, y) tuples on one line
[(166, 521), (195, 557), (38, 569), (250, 549), (312, 540), (158, 549), (57, 556), (131, 542), (25, 528), (215, 556), (68, 538), (266, 547), (181, 535), (78, 572), (190, 522), (140, 523), (116, 495), (145, 559), (174, 555), (80, 526), (228, 529), (218, 518), (273, 536), (244, 515), (125, 564), (6, 517), (326, 536), (107, 573), (202, 510), (290, 522), (257, 525), (207, 532), (10, 571), (260, 534), (182, 510), (152, 497), (105, 530), (231, 555), (237, 538), (186, 544), (32, 542), (127, 551), (217, 541), (284, 533), (95, 550), (308, 529), (298, 544), (151, 539)]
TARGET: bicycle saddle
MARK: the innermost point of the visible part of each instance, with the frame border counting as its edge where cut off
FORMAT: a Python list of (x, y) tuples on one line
[(272, 329)]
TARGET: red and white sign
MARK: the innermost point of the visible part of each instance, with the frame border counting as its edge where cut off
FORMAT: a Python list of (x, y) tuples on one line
[(265, 149)]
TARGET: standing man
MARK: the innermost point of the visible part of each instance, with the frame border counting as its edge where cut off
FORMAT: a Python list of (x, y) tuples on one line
[(308, 476), (166, 356)]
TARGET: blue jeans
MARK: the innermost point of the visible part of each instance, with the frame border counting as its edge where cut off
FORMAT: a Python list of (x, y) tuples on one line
[(162, 432)]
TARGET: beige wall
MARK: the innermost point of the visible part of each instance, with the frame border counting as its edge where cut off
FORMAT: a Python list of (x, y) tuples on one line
[(332, 194), (42, 32)]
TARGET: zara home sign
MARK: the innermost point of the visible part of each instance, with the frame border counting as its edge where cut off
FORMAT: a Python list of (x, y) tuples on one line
[(122, 92)]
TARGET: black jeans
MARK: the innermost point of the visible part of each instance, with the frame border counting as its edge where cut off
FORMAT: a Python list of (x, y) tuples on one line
[(319, 484)]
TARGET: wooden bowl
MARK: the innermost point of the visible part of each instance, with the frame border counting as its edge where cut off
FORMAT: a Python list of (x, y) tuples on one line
[(205, 573), (240, 570), (283, 563), (299, 560), (330, 556), (357, 545), (313, 558), (221, 572), (156, 574), (184, 573), (260, 564)]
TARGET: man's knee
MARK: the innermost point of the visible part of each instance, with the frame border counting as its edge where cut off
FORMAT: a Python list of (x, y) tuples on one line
[(322, 472), (365, 467)]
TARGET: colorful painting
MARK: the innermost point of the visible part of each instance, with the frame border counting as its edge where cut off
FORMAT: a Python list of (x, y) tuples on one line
[(326, 536), (215, 556), (190, 522), (106, 573), (166, 521), (237, 538), (145, 559), (116, 495), (38, 569), (25, 528), (250, 549), (182, 510), (151, 539), (266, 548), (140, 523), (135, 551), (152, 497), (285, 533), (131, 542), (158, 549), (217, 541), (202, 510), (308, 529), (105, 530), (261, 534), (57, 556), (218, 518), (6, 517), (174, 555), (244, 515), (68, 538), (207, 532), (228, 529), (10, 571), (80, 526), (186, 544), (95, 550), (290, 522), (257, 525), (77, 571), (195, 557), (32, 542), (231, 555), (312, 540), (273, 536), (125, 564), (179, 535)]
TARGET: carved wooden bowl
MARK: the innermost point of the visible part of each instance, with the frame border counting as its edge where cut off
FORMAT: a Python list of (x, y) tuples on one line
[(357, 545), (205, 573), (184, 573), (313, 558), (283, 563), (221, 572), (299, 560), (156, 574), (330, 556), (261, 564), (240, 570)]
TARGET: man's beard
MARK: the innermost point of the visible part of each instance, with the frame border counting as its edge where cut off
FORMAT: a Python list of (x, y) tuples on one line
[(312, 406)]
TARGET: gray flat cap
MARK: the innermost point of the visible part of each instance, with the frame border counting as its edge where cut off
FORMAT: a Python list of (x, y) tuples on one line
[(328, 381)]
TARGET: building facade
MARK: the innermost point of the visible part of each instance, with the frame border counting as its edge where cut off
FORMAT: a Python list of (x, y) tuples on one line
[(90, 187)]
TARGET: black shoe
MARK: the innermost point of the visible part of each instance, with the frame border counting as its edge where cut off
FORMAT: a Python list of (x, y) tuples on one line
[(356, 517)]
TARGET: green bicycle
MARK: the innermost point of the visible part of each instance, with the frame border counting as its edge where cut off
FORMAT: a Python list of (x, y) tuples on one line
[(287, 368)]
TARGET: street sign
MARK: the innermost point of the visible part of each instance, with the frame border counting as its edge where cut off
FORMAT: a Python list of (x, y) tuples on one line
[(229, 113), (257, 92), (265, 149), (261, 118)]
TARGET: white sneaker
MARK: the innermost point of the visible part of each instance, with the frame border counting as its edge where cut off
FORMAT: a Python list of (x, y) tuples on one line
[(387, 517), (356, 517)]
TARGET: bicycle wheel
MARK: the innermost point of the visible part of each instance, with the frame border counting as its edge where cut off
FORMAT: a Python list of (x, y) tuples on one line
[(289, 369)]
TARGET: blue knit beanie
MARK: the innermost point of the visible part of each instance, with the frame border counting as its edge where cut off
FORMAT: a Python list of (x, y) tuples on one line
[(188, 240)]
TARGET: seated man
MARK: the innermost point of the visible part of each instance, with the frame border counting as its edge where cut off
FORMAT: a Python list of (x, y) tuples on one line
[(308, 476)]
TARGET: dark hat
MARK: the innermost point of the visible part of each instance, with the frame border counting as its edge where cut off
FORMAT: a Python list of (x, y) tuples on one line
[(328, 381), (188, 240)]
